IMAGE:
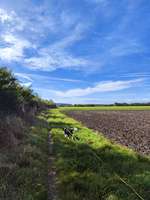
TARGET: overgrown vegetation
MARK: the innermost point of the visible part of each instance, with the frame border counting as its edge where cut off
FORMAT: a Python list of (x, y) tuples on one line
[(18, 107), (91, 167), (23, 141), (23, 168), (15, 98)]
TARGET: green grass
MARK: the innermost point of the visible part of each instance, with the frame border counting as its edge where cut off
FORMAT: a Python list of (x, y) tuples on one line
[(105, 108), (90, 167)]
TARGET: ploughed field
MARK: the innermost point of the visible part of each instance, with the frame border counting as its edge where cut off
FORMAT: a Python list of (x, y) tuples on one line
[(129, 128)]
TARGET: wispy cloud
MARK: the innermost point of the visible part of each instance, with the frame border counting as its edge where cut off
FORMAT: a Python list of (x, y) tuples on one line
[(10, 21), (108, 98), (121, 40), (56, 55), (75, 35), (99, 2), (36, 77), (23, 76), (24, 79), (50, 57), (108, 86), (50, 61), (126, 47), (144, 75)]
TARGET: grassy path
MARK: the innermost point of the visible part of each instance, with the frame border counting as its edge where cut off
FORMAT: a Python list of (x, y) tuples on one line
[(52, 192), (90, 167)]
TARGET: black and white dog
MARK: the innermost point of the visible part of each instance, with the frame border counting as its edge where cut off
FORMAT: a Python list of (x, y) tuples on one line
[(68, 132)]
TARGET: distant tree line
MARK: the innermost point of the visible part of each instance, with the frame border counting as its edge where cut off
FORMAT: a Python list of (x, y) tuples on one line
[(132, 104), (115, 104), (15, 98)]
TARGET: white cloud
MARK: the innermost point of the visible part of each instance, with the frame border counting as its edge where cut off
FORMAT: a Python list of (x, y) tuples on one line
[(108, 86), (50, 58), (5, 17), (14, 48), (11, 21), (24, 79), (56, 56), (54, 60), (27, 84), (23, 76)]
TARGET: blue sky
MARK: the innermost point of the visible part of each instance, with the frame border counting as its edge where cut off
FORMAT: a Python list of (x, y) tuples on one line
[(78, 51)]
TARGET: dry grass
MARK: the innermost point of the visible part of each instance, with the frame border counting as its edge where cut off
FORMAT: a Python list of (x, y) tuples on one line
[(12, 130), (23, 159)]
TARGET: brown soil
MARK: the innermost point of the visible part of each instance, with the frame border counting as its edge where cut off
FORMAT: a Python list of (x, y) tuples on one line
[(129, 128)]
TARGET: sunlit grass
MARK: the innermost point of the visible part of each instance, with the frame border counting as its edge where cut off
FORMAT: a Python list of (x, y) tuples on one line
[(88, 165), (105, 108)]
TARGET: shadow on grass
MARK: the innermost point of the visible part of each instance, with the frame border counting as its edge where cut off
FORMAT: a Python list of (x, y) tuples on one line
[(60, 124), (23, 170), (89, 173)]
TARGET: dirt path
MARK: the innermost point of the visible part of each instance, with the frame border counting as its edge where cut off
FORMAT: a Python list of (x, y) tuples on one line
[(130, 128)]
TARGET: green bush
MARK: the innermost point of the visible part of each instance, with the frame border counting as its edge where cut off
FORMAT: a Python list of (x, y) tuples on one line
[(16, 98)]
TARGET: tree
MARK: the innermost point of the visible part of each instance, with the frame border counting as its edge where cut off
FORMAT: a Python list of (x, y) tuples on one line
[(9, 92)]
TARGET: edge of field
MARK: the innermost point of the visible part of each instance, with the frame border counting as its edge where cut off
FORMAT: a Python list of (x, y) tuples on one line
[(66, 108), (89, 166)]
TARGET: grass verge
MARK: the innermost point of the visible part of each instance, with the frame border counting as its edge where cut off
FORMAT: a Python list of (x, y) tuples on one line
[(90, 167), (23, 169)]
